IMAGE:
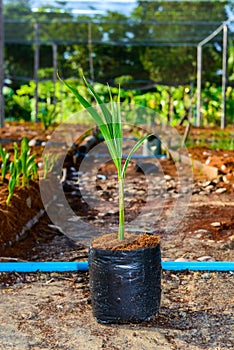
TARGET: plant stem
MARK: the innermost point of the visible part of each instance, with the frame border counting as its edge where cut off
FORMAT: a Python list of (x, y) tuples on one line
[(121, 208)]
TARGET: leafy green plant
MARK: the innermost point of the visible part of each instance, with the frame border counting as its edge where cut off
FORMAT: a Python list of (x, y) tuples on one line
[(48, 117), (12, 183), (21, 169), (17, 164), (5, 157), (48, 164), (28, 165), (110, 125)]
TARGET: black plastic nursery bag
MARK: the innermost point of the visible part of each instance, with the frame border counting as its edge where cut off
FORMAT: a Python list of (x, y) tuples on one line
[(125, 286)]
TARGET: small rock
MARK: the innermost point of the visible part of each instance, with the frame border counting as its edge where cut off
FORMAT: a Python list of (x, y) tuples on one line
[(184, 282), (226, 179), (221, 190), (217, 180), (203, 193), (205, 153), (206, 183), (202, 231), (167, 177), (181, 259), (209, 188), (32, 143), (102, 177), (205, 258), (223, 167), (216, 224)]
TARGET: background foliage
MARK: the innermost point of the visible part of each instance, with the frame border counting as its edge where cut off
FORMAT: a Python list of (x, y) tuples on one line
[(151, 51)]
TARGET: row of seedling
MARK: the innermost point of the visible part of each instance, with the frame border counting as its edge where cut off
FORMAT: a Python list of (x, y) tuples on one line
[(20, 170)]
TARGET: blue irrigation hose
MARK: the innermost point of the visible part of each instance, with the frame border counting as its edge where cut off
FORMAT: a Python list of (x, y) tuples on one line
[(134, 156), (62, 266)]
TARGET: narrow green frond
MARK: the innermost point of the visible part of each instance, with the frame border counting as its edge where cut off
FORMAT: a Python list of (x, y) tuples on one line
[(105, 122), (117, 127), (108, 117), (133, 150), (81, 99), (97, 118), (113, 122)]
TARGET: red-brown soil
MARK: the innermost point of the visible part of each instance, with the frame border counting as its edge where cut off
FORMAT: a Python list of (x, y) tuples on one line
[(27, 200), (131, 241)]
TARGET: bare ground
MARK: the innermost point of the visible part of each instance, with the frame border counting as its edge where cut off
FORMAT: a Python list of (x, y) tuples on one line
[(53, 310)]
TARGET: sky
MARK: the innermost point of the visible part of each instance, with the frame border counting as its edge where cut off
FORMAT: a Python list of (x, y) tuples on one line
[(90, 7)]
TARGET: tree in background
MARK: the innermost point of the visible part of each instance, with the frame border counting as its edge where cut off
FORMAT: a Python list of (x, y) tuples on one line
[(153, 43), (175, 22)]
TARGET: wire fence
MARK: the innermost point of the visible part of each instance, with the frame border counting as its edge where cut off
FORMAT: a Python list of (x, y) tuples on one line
[(171, 28), (122, 33)]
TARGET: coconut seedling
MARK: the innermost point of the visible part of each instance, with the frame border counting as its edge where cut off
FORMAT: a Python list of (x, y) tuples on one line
[(109, 123), (125, 285)]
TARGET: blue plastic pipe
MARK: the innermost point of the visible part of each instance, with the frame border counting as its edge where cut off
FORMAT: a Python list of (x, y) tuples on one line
[(48, 266), (134, 156), (61, 266), (198, 266)]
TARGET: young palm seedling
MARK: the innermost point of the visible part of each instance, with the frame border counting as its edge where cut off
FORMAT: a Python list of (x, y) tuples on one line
[(109, 123), (125, 283)]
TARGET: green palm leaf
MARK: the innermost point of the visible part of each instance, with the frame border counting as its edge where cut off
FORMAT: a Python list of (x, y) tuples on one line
[(110, 125)]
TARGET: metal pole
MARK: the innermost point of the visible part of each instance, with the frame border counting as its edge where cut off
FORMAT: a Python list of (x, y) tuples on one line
[(190, 112), (55, 70), (199, 74), (224, 76), (199, 69), (36, 67), (1, 66), (212, 35)]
